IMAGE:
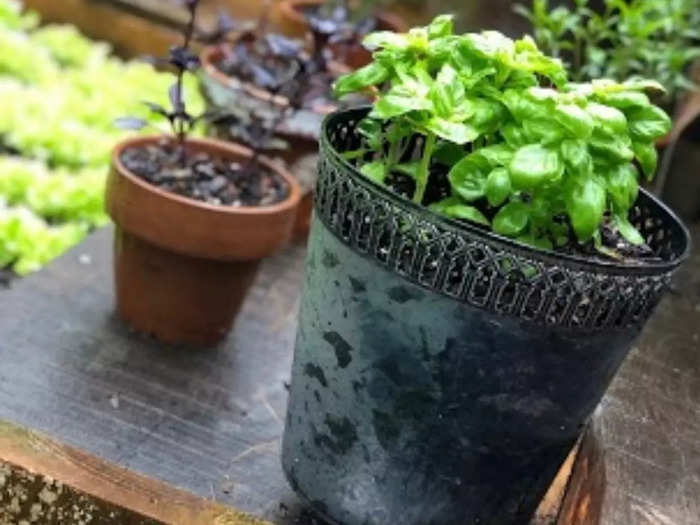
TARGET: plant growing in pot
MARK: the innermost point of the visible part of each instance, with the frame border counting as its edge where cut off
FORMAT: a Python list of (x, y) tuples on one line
[(481, 260), (340, 25), (641, 37), (275, 94), (194, 217)]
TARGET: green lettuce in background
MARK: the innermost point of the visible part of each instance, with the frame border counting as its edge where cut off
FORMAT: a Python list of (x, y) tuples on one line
[(60, 95)]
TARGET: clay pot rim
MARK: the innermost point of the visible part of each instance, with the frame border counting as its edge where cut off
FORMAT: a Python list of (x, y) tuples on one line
[(291, 8), (232, 148)]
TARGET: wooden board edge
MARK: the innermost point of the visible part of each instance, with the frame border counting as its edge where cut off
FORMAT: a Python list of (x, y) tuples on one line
[(574, 498), (549, 509), (41, 456), (585, 493)]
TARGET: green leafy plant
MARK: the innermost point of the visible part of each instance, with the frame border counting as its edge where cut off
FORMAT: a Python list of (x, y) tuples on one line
[(652, 38), (490, 130)]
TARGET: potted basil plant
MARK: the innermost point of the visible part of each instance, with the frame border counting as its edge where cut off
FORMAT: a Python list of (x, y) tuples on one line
[(639, 37), (193, 217), (481, 261)]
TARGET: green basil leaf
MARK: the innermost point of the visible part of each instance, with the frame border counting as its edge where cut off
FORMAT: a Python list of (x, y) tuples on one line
[(648, 157), (498, 154), (375, 170), (441, 206), (521, 80), (625, 99), (457, 132), (441, 50), (498, 187), (543, 206), (585, 204), (534, 165), (545, 131), (409, 168), (644, 84), (391, 106), (512, 219), (513, 135), (463, 211), (613, 146), (448, 95), (370, 75), (441, 27), (529, 58), (628, 232), (371, 131), (622, 187), (610, 118), (524, 107), (488, 115), (386, 40), (536, 242), (468, 177), (575, 119), (648, 123), (577, 158)]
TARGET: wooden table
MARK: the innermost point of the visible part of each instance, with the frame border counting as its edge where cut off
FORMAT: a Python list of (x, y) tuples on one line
[(174, 435)]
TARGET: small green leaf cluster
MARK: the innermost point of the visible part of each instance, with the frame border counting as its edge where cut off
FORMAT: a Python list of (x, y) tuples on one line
[(652, 38), (528, 153)]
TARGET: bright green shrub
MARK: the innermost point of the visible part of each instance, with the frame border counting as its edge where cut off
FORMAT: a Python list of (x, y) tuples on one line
[(12, 17), (28, 242)]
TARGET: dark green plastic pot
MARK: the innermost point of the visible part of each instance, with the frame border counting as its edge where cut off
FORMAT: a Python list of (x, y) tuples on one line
[(442, 373)]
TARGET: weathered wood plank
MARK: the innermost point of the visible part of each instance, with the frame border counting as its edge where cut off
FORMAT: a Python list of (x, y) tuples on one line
[(53, 483), (56, 484), (583, 501)]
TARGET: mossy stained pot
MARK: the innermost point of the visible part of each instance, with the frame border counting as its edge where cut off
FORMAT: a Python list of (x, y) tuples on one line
[(443, 373)]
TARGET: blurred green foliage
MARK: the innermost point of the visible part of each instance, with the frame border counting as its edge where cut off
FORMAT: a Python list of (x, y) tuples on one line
[(650, 38), (60, 95)]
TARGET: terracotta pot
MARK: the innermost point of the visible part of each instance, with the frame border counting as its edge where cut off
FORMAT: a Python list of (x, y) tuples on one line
[(183, 267), (354, 56)]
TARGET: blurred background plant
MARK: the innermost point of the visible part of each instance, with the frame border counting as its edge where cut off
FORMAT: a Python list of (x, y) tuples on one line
[(649, 38)]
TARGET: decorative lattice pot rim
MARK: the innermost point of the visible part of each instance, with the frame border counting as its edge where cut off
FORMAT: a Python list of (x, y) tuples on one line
[(451, 257)]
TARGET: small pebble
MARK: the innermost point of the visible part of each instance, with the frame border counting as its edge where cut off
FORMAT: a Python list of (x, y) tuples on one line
[(85, 259), (114, 401)]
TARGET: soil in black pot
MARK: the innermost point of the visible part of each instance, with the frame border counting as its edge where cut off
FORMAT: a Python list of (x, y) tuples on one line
[(205, 178)]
